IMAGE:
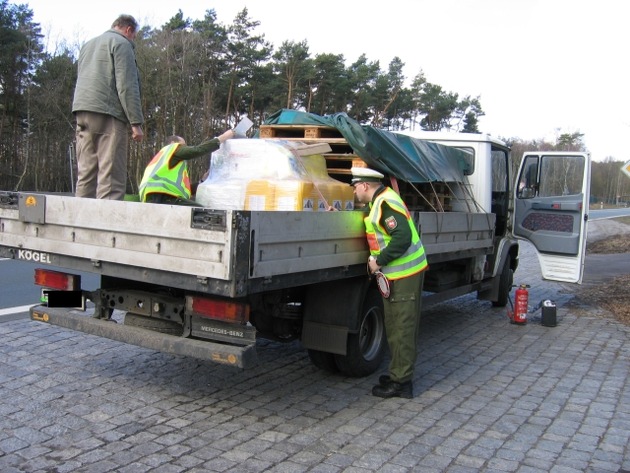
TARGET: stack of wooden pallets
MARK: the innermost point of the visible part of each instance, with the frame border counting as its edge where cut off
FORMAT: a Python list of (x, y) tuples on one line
[(338, 162)]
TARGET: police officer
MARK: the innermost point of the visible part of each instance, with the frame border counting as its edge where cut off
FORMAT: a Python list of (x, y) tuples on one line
[(396, 251)]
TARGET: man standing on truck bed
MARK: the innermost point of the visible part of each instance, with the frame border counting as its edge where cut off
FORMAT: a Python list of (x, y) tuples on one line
[(106, 100), (166, 179), (396, 251)]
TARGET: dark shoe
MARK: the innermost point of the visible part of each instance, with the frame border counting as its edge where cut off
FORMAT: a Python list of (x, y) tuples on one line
[(384, 379), (394, 389)]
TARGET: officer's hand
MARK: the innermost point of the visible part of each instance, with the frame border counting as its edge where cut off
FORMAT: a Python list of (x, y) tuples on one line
[(373, 265)]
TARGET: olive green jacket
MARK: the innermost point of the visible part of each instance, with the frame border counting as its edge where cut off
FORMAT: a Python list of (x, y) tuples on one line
[(108, 79)]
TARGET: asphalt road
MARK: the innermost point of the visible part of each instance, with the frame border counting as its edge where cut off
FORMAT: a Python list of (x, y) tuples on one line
[(599, 268)]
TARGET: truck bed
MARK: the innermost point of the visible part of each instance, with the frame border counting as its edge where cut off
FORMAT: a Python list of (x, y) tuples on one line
[(222, 252)]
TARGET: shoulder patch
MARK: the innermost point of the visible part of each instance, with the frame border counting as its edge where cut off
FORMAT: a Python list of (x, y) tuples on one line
[(391, 223)]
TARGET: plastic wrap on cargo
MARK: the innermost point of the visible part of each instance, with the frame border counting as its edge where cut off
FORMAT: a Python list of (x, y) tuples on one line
[(257, 174)]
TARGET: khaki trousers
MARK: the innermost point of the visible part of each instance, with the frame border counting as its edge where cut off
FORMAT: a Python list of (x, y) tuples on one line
[(402, 322), (102, 144)]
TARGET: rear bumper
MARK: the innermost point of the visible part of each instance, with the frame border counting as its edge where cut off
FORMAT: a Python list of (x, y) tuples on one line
[(238, 356)]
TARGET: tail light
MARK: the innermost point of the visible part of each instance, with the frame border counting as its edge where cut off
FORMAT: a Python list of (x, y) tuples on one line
[(217, 309), (57, 280)]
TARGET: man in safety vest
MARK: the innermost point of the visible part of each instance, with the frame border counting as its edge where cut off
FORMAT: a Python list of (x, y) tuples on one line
[(397, 252), (166, 179)]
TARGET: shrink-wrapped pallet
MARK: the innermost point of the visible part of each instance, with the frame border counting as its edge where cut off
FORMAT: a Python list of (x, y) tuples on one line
[(260, 174)]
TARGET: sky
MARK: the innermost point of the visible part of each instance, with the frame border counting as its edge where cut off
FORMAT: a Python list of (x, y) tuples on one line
[(539, 67)]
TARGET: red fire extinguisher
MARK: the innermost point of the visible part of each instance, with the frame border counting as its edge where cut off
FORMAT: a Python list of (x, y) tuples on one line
[(521, 305)]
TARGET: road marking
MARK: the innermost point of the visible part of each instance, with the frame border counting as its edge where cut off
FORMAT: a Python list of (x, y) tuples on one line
[(15, 310)]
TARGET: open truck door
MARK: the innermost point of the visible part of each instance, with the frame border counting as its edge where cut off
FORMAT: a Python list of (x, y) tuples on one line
[(551, 210)]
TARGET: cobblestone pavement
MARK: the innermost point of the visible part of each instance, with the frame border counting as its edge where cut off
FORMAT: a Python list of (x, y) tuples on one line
[(490, 396)]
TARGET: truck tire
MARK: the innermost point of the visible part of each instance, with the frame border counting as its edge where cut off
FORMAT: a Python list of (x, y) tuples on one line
[(323, 361), (506, 279), (366, 349), (157, 325)]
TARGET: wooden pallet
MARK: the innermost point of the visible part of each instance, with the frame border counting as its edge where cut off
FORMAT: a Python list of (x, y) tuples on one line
[(299, 131), (339, 165)]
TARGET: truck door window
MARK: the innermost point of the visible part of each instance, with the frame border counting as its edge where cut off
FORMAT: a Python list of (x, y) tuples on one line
[(563, 175), (528, 181)]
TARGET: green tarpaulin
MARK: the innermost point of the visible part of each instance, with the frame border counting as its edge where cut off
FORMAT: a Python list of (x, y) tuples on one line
[(401, 156)]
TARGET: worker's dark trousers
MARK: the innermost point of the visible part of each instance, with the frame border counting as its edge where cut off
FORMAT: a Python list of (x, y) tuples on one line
[(402, 322)]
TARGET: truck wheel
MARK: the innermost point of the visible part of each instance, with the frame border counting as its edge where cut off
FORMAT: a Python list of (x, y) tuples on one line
[(156, 325), (366, 349), (324, 361), (506, 280)]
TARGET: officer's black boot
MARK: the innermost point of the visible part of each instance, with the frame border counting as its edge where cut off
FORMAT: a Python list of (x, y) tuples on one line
[(393, 389)]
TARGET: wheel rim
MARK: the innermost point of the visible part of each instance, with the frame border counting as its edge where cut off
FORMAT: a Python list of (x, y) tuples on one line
[(371, 333)]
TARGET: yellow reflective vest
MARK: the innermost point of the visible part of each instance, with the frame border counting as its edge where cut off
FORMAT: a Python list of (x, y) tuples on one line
[(160, 177), (414, 259)]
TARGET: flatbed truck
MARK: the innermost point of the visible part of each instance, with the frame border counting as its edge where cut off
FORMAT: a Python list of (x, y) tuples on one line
[(208, 283)]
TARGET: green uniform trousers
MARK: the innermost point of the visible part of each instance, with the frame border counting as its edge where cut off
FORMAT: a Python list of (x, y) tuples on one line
[(402, 322)]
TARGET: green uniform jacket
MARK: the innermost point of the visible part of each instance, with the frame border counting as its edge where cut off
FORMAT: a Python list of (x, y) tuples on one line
[(108, 81)]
